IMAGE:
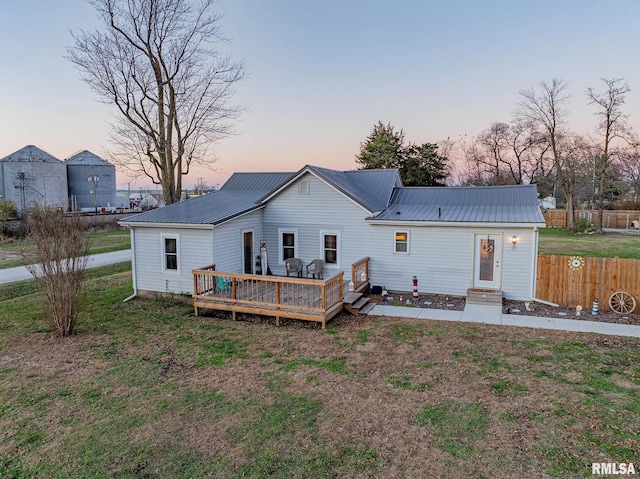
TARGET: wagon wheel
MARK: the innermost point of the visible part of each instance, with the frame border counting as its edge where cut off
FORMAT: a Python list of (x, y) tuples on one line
[(622, 302)]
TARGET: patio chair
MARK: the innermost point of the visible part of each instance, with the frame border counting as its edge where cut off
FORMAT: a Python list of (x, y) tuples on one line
[(315, 268), (223, 284), (294, 266)]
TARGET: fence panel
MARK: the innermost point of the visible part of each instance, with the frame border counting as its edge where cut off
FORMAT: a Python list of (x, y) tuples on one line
[(599, 278)]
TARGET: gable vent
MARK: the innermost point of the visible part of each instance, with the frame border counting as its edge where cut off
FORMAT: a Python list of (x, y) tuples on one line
[(303, 187)]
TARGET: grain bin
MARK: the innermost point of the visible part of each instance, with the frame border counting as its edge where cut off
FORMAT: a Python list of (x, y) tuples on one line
[(32, 176), (92, 182)]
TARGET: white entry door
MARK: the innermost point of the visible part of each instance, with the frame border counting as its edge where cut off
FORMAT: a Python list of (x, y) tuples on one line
[(486, 262)]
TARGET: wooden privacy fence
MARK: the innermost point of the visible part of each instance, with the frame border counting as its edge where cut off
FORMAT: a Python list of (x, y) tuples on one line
[(598, 278), (555, 218), (614, 219)]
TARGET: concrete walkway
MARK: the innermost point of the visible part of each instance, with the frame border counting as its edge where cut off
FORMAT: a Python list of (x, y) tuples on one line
[(474, 313), (20, 273)]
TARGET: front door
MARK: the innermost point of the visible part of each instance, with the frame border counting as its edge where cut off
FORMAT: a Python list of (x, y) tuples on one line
[(247, 252), (486, 262)]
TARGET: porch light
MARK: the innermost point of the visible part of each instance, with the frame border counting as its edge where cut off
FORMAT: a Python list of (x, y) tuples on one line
[(514, 242)]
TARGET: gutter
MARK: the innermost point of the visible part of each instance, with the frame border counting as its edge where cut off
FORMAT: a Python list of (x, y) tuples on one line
[(133, 265)]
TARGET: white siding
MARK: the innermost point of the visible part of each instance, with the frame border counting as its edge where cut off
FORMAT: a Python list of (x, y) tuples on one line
[(322, 209), (194, 252), (442, 259), (227, 241)]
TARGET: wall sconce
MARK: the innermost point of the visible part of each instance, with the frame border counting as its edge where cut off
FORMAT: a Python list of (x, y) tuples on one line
[(514, 242)]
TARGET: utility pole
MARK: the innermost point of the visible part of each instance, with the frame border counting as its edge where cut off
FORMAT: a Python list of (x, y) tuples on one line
[(94, 179)]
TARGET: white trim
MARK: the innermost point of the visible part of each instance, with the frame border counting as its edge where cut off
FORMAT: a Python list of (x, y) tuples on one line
[(200, 226), (497, 266), (281, 231), (163, 244), (335, 233), (307, 170), (140, 224), (253, 249), (395, 242), (453, 223)]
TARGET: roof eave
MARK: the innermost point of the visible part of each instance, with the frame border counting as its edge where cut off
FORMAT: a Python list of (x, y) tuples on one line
[(152, 224), (311, 170), (472, 224)]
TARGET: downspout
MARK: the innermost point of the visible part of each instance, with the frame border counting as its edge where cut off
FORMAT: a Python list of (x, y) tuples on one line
[(133, 265), (534, 271)]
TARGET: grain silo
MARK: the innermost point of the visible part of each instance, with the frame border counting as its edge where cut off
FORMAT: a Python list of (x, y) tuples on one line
[(92, 182), (32, 176)]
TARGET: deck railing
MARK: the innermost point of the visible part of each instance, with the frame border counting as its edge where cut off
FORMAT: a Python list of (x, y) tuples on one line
[(360, 273), (271, 293), (204, 284)]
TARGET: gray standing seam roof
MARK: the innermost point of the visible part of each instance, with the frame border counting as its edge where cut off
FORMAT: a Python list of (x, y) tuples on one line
[(239, 195), (490, 204), (369, 188)]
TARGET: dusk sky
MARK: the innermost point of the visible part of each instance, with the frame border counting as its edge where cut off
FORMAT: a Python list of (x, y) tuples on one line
[(322, 73)]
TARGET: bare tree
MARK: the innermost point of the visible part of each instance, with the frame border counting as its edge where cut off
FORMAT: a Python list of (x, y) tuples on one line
[(546, 108), (612, 124), (58, 264), (157, 62), (630, 170)]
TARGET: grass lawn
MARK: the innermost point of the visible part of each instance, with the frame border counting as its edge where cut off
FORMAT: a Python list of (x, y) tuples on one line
[(147, 390), (103, 242), (559, 241)]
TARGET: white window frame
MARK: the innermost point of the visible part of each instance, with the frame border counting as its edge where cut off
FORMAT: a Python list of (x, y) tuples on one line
[(324, 233), (163, 247), (395, 242), (294, 232)]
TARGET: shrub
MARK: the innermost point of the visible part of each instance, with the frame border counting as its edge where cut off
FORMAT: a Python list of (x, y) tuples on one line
[(583, 225), (60, 264)]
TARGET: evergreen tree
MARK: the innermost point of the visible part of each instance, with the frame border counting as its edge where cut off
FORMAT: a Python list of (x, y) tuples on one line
[(418, 165)]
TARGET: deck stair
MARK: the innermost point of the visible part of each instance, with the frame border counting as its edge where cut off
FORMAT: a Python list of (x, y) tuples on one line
[(490, 297), (356, 303)]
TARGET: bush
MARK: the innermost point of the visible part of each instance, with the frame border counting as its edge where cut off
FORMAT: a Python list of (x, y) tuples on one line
[(60, 255), (583, 225)]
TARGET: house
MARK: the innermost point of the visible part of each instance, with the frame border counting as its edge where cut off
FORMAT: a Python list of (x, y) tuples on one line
[(450, 238)]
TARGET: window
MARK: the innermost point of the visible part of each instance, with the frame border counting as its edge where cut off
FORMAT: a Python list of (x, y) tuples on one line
[(170, 246), (402, 242), (303, 187), (331, 248), (288, 244)]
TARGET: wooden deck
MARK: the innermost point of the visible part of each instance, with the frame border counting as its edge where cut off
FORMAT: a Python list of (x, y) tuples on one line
[(281, 297)]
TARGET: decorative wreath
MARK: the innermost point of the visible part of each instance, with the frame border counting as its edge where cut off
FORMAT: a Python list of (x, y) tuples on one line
[(487, 247)]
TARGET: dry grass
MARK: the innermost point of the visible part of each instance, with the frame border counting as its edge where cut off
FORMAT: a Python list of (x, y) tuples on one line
[(148, 390)]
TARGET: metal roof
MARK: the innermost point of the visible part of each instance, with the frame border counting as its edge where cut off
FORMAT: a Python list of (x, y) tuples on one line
[(31, 153), (86, 158), (369, 188), (264, 182), (238, 196), (490, 204)]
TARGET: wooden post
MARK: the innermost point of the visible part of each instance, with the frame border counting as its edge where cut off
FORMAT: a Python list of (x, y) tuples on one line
[(233, 289)]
